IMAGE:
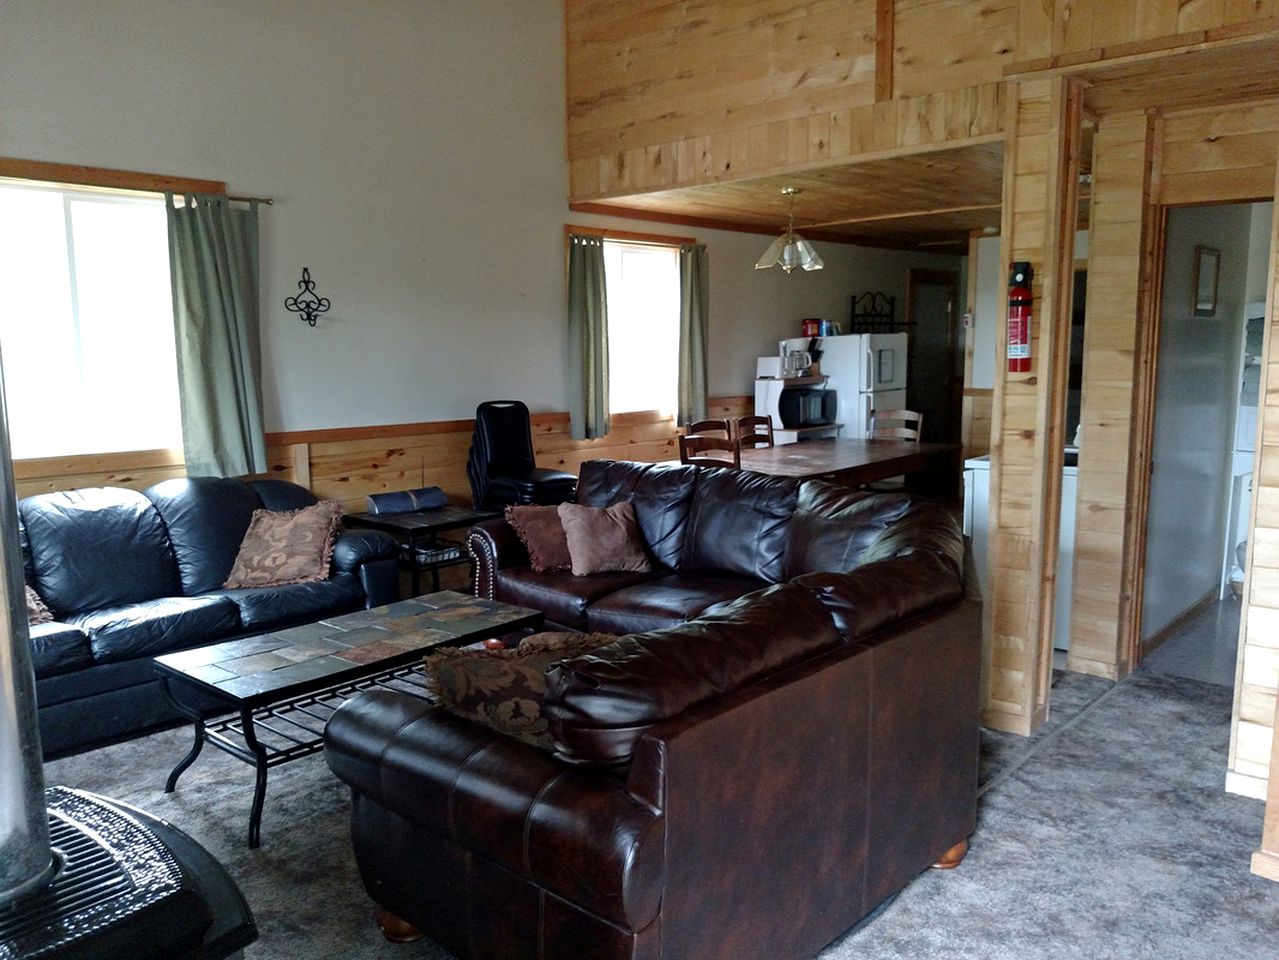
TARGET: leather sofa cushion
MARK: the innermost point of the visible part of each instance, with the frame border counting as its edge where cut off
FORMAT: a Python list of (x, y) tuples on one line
[(269, 608), (885, 592), (157, 626), (674, 599), (738, 524), (562, 597), (97, 547), (58, 648), (833, 526), (601, 703), (661, 493), (207, 518)]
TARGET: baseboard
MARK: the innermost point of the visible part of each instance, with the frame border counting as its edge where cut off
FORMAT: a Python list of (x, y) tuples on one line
[(1244, 785), (1149, 645), (1266, 864)]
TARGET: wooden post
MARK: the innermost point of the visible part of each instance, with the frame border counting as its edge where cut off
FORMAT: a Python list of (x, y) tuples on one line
[(1265, 862), (1040, 191)]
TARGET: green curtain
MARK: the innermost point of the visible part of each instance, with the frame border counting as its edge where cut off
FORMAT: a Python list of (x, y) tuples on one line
[(587, 338), (694, 318), (213, 263)]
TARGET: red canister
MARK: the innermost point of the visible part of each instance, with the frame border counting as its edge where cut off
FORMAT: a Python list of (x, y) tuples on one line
[(810, 328)]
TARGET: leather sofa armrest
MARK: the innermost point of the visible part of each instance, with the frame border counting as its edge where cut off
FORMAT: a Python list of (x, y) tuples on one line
[(493, 546), (374, 556), (578, 834), (355, 547)]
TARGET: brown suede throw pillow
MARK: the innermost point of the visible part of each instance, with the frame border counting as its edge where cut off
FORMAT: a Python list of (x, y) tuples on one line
[(293, 546), (502, 689), (542, 534), (37, 610), (603, 538)]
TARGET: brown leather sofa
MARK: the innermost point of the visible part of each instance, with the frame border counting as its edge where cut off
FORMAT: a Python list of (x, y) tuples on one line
[(746, 784), (712, 535)]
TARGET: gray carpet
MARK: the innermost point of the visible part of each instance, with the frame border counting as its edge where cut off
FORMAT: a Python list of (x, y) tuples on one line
[(1108, 835)]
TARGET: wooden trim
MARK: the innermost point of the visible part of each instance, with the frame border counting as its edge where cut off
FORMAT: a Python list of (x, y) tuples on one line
[(733, 226), (608, 233), (86, 463), (885, 16), (1140, 51), (1145, 381), (338, 434), (70, 173), (1157, 639)]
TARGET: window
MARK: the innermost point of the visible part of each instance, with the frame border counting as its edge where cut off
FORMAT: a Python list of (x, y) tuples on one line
[(643, 326), (86, 322)]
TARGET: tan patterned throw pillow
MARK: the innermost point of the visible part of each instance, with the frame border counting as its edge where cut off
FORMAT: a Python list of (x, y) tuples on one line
[(502, 689), (37, 611), (293, 546)]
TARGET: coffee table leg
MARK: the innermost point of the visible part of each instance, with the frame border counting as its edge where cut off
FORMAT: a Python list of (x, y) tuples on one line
[(259, 786), (172, 783)]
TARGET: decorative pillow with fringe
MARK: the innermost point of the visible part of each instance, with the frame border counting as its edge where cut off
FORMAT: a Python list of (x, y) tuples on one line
[(37, 610), (293, 546), (502, 689)]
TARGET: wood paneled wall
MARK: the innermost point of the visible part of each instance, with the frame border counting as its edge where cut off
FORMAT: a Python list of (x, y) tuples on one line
[(659, 99), (1254, 738), (348, 464), (1040, 154), (1116, 281), (1064, 32)]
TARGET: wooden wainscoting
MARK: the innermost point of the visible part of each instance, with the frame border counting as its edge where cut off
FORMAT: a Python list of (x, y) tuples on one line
[(347, 464)]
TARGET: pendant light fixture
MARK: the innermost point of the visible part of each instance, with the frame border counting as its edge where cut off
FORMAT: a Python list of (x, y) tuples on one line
[(790, 249)]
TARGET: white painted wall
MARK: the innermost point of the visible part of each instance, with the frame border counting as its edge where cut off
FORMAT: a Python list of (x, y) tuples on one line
[(416, 155), (1196, 398)]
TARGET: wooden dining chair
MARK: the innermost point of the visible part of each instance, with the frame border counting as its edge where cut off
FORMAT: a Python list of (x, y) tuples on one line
[(710, 427), (895, 425), (697, 449), (755, 431)]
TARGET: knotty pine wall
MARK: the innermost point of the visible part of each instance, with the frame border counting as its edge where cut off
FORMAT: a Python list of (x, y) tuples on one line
[(659, 99), (348, 464)]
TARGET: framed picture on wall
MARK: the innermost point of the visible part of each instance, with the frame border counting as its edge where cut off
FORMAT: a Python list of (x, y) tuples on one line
[(1207, 263)]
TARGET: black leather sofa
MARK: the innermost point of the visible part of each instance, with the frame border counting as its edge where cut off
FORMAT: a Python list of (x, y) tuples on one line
[(742, 782), (130, 575)]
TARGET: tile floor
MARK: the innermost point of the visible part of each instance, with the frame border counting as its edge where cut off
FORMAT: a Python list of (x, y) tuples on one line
[(1203, 648)]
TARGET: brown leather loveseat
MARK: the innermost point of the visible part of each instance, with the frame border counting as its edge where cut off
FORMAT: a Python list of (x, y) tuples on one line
[(746, 784)]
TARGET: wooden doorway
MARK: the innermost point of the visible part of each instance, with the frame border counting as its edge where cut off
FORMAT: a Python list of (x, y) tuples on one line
[(935, 355)]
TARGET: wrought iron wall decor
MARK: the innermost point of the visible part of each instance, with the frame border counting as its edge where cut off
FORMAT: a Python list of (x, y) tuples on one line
[(874, 312), (307, 304)]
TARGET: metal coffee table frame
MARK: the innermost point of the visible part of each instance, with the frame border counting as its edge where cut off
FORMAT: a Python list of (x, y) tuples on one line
[(284, 724)]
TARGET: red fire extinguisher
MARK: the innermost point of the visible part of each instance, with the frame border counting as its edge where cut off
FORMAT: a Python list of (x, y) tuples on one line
[(1019, 301)]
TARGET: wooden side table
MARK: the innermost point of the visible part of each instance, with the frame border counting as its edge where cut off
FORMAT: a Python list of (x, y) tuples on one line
[(421, 546)]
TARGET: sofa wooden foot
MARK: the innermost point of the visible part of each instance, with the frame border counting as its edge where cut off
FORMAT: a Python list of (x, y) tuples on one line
[(396, 930), (952, 857)]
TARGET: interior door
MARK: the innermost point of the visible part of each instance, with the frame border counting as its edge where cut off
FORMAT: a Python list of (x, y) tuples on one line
[(934, 370)]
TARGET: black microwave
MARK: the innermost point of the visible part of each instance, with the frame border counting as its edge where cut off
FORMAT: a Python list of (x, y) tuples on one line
[(806, 407)]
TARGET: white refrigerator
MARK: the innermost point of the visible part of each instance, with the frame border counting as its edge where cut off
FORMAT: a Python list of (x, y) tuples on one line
[(867, 371)]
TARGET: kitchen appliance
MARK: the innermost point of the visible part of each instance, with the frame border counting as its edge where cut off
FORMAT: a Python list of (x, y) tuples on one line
[(797, 363), (768, 367), (867, 371), (799, 407)]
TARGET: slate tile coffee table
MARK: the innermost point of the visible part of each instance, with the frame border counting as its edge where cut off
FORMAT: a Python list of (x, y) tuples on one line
[(283, 686)]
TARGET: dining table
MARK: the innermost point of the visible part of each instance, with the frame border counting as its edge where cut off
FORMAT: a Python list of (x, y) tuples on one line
[(855, 463)]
